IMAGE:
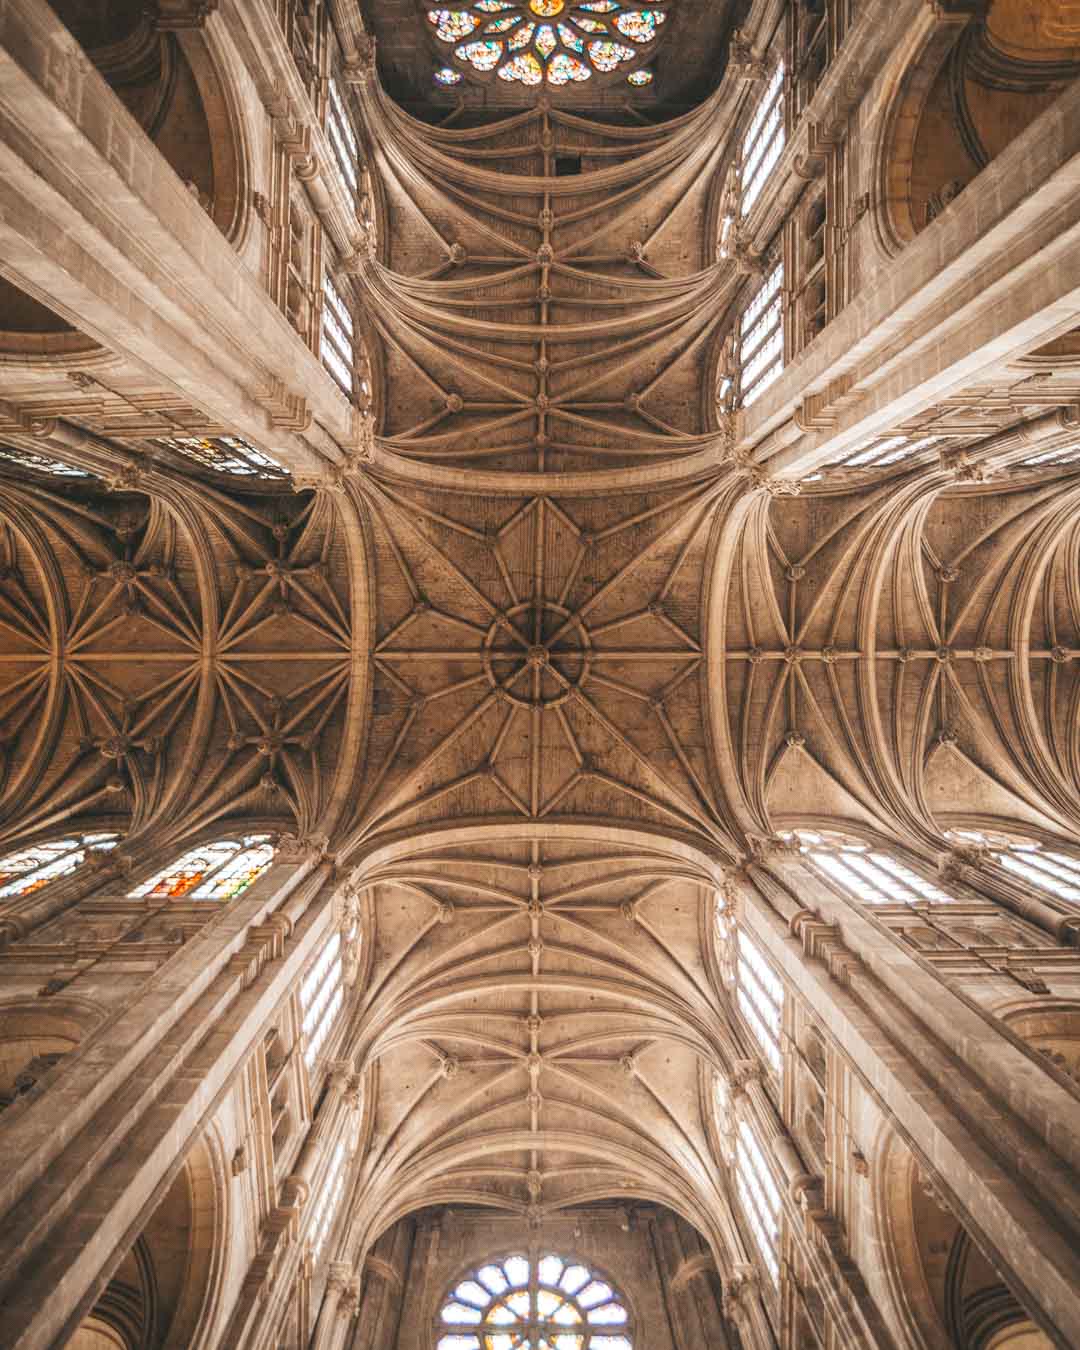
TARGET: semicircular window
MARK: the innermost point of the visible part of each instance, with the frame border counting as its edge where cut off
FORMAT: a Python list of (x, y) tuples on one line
[(554, 1303), (554, 42)]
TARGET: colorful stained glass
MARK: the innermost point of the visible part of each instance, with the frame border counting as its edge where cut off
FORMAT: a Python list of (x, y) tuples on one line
[(448, 76), (570, 38), (564, 68), (524, 67), (640, 25), (640, 77), (217, 871), (31, 868), (510, 31), (554, 1304), (607, 55), (482, 55), (452, 24)]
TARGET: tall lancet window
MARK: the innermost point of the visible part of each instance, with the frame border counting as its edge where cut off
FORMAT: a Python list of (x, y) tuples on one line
[(555, 1303), (872, 875), (760, 997), (221, 870), (763, 142), (321, 995), (1041, 865), (31, 868), (760, 1197)]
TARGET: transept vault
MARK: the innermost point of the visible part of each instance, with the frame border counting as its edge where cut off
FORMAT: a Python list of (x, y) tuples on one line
[(539, 698)]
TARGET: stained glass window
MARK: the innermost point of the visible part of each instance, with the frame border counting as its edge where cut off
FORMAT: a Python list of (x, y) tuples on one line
[(761, 338), (218, 871), (764, 140), (321, 997), (28, 459), (513, 39), (868, 874), (761, 999), (336, 345), (226, 454), (322, 1219), (1046, 868), (31, 868), (1040, 459), (760, 1197), (555, 1303)]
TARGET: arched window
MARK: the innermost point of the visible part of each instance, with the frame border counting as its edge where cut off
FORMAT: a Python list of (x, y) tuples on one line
[(865, 872), (321, 997), (1047, 868), (31, 868), (218, 871), (555, 1304)]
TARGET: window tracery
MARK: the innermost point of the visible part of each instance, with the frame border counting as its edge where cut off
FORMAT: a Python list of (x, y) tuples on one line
[(221, 870), (554, 1303), (867, 873), (559, 42), (31, 868), (343, 141), (225, 454), (1046, 868), (321, 996)]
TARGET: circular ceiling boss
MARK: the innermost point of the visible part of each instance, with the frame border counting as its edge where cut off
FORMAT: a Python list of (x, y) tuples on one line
[(557, 42)]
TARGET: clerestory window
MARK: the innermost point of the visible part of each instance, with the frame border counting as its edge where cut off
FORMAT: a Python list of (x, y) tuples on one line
[(763, 142), (760, 996), (554, 1303), (336, 346), (225, 454), (761, 338), (321, 997), (322, 1219), (866, 873), (1048, 869), (221, 870), (29, 459), (31, 868), (759, 1196), (339, 128)]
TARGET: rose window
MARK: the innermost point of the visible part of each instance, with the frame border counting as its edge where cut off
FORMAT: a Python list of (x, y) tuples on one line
[(561, 42), (516, 1304)]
